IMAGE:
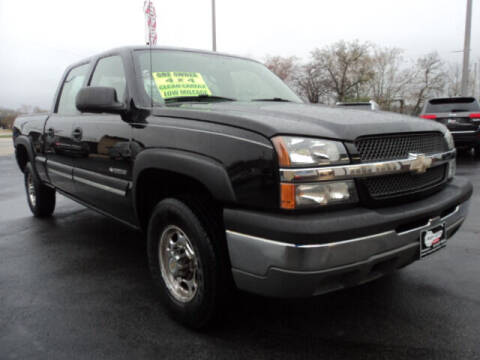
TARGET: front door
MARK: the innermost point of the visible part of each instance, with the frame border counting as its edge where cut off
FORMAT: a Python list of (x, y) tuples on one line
[(102, 175)]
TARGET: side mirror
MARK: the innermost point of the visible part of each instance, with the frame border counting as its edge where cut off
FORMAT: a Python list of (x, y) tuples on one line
[(98, 99)]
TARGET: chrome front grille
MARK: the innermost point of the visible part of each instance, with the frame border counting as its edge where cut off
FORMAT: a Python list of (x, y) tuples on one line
[(390, 186), (392, 147), (396, 147)]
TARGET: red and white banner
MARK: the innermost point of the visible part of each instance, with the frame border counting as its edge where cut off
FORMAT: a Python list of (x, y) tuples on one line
[(150, 23)]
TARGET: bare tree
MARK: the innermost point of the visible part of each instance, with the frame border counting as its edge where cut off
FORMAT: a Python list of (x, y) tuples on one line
[(389, 82), (347, 65), (354, 70), (429, 80), (284, 67), (311, 82), (453, 80)]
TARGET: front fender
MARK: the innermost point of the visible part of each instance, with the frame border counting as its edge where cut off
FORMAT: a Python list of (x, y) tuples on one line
[(25, 141), (210, 173)]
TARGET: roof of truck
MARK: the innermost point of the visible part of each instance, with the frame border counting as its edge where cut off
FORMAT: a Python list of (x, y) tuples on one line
[(128, 49)]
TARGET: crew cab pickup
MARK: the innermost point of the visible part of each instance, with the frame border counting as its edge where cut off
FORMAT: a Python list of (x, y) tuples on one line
[(236, 183)]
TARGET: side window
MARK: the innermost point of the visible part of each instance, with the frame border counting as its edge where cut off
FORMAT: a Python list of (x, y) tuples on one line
[(73, 83), (109, 72)]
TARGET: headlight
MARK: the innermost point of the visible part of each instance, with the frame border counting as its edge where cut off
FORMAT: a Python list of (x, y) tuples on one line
[(449, 140), (299, 196), (298, 151)]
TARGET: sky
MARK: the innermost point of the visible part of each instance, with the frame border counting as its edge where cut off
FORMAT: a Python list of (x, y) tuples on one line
[(40, 38)]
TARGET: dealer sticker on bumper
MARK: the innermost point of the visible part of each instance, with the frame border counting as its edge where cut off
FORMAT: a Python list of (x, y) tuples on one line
[(432, 239)]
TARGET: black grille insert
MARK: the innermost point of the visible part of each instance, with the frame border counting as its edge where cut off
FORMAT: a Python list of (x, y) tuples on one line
[(389, 186), (394, 147)]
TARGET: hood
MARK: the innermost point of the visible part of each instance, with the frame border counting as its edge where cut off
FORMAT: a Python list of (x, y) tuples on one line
[(282, 118)]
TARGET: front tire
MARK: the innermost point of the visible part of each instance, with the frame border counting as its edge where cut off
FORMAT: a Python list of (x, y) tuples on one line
[(186, 263), (40, 198)]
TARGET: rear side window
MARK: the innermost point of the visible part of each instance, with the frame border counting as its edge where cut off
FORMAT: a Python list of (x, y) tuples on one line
[(109, 72), (72, 84), (452, 105)]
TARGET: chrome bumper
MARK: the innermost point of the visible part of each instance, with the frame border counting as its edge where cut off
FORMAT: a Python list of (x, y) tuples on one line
[(273, 268)]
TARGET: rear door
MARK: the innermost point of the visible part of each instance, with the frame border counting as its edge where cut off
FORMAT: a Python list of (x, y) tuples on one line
[(103, 173), (60, 147)]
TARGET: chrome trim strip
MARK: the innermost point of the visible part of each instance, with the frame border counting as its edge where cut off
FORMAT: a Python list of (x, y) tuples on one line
[(40, 159), (362, 170), (464, 132), (335, 243), (259, 256), (99, 186), (341, 242), (452, 213), (60, 173), (90, 206), (429, 223)]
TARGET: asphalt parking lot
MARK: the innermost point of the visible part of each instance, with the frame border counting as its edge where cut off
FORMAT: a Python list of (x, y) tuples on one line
[(77, 286)]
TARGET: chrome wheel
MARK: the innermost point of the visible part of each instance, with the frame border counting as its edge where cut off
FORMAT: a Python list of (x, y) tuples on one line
[(178, 263), (32, 195)]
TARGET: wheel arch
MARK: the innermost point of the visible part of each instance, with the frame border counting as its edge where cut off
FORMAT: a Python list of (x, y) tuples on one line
[(24, 153), (160, 173)]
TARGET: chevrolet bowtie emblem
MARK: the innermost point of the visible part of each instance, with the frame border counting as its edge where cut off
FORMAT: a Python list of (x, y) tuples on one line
[(420, 163)]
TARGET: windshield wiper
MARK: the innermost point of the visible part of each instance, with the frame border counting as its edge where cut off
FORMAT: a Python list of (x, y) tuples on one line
[(273, 99), (197, 98)]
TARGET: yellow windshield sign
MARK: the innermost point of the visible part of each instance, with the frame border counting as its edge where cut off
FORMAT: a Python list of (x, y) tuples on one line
[(178, 83)]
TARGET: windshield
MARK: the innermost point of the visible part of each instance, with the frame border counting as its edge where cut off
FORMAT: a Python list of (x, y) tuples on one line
[(179, 75), (452, 105)]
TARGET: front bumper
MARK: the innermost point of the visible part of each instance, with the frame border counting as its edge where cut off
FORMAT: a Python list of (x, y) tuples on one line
[(285, 255)]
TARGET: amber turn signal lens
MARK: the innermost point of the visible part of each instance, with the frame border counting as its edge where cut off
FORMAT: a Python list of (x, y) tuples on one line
[(282, 152), (287, 200)]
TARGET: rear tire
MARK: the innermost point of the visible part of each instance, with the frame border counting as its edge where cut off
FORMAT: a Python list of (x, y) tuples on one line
[(40, 198), (187, 262)]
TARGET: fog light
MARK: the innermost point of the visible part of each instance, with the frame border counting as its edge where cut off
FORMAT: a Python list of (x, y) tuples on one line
[(318, 194)]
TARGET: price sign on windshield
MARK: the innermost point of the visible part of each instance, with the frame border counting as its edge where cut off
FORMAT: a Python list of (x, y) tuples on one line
[(173, 84)]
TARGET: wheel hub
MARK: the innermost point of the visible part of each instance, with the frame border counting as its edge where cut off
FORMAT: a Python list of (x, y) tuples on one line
[(32, 196), (178, 264)]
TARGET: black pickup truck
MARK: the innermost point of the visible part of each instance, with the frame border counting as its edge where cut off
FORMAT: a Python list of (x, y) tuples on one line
[(235, 181)]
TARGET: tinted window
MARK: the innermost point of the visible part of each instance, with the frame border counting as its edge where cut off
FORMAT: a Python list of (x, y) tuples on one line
[(73, 83), (452, 105), (109, 72)]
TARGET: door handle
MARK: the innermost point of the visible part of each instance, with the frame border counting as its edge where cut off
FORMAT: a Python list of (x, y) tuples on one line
[(77, 134)]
